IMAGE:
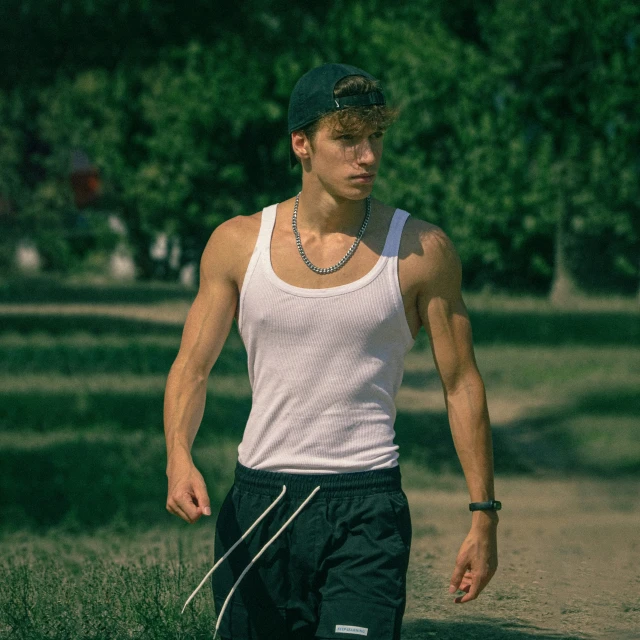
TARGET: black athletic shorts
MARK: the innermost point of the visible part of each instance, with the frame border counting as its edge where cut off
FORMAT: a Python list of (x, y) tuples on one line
[(337, 571)]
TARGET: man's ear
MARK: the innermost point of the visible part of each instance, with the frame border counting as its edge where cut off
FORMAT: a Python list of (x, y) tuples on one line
[(300, 145)]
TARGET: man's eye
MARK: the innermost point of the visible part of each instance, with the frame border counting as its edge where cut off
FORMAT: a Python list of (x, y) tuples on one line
[(346, 136)]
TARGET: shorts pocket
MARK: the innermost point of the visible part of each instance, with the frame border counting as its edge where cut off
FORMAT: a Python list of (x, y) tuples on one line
[(258, 623), (399, 506), (349, 619)]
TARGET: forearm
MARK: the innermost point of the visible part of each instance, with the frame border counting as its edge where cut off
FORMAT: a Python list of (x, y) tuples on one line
[(184, 402), (471, 431)]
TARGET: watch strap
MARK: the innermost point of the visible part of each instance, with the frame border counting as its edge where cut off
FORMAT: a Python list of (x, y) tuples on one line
[(489, 505)]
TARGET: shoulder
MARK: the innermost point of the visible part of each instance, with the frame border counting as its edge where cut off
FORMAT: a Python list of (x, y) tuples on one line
[(229, 244), (432, 254)]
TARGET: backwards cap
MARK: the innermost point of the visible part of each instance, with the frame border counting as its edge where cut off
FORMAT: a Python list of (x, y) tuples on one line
[(312, 96)]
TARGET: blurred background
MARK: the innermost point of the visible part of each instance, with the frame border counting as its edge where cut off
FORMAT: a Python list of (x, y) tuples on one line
[(130, 129)]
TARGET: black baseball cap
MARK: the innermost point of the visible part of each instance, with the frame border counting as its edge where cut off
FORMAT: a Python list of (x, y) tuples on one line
[(312, 96)]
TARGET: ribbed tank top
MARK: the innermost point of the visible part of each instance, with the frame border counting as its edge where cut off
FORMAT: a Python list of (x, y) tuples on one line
[(325, 365)]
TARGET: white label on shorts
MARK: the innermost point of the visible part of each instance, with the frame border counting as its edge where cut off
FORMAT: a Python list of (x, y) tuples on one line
[(356, 631)]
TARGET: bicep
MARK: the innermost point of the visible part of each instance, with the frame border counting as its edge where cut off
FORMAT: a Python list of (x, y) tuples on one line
[(443, 312), (210, 317)]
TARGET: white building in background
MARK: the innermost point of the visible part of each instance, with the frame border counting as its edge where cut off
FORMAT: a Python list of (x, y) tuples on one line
[(27, 256), (167, 251), (188, 274), (117, 225), (121, 264)]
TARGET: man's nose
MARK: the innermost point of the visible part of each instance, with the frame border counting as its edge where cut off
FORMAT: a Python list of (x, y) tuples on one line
[(365, 153)]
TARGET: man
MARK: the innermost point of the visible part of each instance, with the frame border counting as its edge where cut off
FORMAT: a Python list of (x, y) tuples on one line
[(329, 290)]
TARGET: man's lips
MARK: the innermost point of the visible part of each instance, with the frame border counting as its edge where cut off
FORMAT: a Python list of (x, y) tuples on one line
[(364, 176)]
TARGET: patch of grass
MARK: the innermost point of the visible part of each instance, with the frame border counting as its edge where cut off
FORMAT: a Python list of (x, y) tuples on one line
[(536, 368), (556, 327), (488, 301), (62, 324), (607, 445), (80, 354), (137, 598), (79, 482), (125, 403), (48, 288), (549, 369)]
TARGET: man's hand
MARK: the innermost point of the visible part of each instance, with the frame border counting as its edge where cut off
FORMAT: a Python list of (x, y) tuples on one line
[(187, 497), (477, 559)]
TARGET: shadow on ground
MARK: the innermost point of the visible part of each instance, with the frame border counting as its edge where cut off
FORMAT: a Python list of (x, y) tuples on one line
[(86, 482), (563, 440), (128, 410), (494, 630), (91, 475)]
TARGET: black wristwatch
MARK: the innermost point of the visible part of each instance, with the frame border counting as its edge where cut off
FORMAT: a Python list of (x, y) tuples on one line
[(490, 505)]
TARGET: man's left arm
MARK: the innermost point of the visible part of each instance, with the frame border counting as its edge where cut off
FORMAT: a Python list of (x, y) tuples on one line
[(445, 318)]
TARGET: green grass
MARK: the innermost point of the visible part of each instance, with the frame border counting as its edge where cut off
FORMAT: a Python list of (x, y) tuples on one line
[(82, 481), (105, 587), (65, 429), (46, 288), (87, 548)]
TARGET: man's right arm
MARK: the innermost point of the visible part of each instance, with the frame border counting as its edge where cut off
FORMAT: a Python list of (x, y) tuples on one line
[(206, 328)]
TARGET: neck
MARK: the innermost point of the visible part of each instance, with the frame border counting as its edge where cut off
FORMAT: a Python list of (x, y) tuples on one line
[(322, 214)]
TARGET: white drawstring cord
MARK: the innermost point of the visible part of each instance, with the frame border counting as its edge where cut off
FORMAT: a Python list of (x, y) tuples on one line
[(266, 546), (246, 533)]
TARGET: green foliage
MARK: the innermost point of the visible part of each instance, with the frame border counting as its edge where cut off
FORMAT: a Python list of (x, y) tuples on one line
[(506, 116), (514, 117), (12, 151), (197, 112)]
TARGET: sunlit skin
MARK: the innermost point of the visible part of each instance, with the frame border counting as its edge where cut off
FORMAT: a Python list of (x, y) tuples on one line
[(331, 188), (332, 201)]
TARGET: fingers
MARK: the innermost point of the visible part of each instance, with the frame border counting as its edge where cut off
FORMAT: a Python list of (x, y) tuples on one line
[(460, 581), (176, 510), (204, 503), (476, 564), (472, 591), (189, 502), (458, 575), (182, 506), (472, 585)]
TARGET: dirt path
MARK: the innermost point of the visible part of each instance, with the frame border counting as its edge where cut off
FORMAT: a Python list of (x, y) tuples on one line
[(568, 563)]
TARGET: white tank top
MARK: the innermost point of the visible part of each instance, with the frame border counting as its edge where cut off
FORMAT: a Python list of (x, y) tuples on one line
[(324, 364)]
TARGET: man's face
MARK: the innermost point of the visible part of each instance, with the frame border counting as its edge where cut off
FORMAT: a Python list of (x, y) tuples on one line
[(345, 164)]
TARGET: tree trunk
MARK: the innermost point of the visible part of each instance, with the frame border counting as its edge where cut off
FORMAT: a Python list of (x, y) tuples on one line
[(639, 283), (563, 286)]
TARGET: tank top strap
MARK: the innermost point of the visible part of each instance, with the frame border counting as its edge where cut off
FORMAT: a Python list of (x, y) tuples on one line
[(266, 228), (392, 244)]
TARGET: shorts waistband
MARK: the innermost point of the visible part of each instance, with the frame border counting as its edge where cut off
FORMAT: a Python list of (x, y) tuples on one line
[(356, 483)]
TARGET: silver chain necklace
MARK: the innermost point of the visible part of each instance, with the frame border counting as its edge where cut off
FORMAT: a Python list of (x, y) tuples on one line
[(344, 260)]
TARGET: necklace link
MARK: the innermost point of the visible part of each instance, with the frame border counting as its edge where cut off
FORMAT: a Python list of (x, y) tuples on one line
[(345, 259)]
